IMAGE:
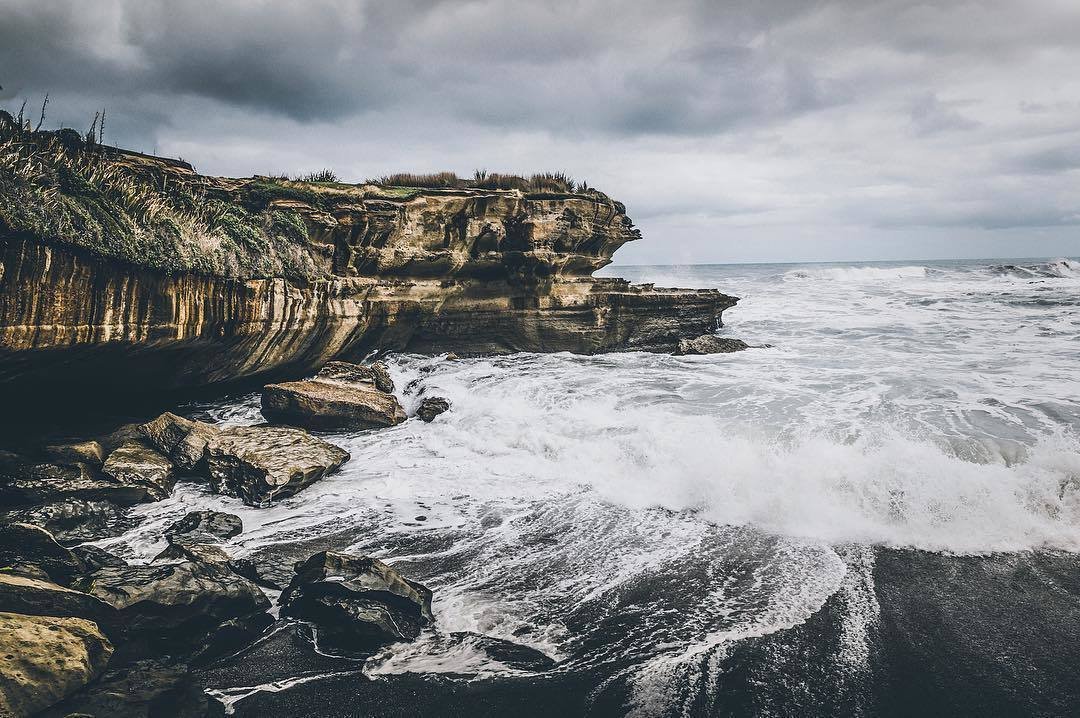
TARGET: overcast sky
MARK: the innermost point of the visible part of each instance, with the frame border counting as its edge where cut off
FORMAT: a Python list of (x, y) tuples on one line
[(767, 130)]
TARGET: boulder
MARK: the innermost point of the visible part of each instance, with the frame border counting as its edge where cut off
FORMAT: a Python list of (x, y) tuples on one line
[(357, 602), (43, 598), (170, 608), (82, 452), (138, 463), (73, 521), (25, 482), (29, 544), (317, 404), (510, 654), (204, 527), (710, 344), (143, 689), (249, 570), (182, 440), (260, 464), (44, 659), (431, 407)]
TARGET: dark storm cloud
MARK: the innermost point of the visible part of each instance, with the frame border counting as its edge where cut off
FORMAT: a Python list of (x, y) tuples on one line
[(853, 113)]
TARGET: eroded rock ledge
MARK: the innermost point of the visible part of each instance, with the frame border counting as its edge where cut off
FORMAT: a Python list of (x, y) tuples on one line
[(253, 278)]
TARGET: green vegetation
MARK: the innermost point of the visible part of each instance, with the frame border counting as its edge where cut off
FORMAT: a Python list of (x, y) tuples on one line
[(555, 182), (65, 187)]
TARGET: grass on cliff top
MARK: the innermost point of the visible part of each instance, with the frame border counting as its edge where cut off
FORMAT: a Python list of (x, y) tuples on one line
[(61, 187), (545, 182)]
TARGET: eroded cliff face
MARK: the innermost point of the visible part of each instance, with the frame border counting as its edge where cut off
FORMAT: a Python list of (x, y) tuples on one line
[(375, 268)]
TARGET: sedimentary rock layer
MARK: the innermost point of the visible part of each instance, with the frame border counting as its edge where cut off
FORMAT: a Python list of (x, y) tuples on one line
[(370, 268)]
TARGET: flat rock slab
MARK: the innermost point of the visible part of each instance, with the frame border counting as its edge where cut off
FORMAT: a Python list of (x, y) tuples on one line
[(44, 659), (710, 344), (34, 597), (24, 482), (72, 521), (260, 464), (317, 404)]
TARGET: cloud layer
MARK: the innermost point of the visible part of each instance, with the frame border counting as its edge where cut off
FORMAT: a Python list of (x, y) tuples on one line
[(733, 131)]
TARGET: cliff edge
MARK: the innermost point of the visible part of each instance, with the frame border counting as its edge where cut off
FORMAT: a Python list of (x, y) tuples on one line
[(122, 270)]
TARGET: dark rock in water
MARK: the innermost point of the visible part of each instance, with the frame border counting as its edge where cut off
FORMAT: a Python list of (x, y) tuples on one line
[(357, 602), (318, 404), (710, 344), (510, 654), (247, 568), (82, 452), (204, 527), (95, 557), (182, 440), (431, 407), (260, 464), (144, 689), (72, 521), (230, 637), (138, 463), (169, 608), (24, 482), (44, 659), (42, 598), (26, 543), (202, 552), (383, 382)]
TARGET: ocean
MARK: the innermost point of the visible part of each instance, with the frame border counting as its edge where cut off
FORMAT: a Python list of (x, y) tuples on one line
[(875, 511)]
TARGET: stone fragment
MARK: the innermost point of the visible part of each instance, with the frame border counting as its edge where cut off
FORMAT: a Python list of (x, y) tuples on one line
[(431, 407), (29, 544), (182, 440), (24, 482), (204, 527), (317, 404), (82, 452), (260, 464)]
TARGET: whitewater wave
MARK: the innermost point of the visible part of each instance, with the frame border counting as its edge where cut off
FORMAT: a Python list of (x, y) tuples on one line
[(855, 274), (1061, 268)]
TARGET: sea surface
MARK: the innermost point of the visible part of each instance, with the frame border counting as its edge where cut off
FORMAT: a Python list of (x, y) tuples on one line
[(877, 512)]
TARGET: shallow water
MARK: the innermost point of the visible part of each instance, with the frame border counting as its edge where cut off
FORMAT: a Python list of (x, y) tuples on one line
[(638, 517)]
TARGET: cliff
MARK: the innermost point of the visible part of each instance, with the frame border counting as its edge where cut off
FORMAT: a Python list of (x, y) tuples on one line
[(120, 270)]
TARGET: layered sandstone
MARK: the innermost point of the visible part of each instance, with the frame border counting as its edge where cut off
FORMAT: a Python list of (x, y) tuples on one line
[(229, 279)]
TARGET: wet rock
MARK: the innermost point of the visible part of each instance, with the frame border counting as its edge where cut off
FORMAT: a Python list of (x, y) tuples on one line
[(26, 570), (329, 404), (73, 521), (33, 597), (247, 568), (260, 464), (204, 527), (139, 464), (44, 659), (431, 407), (171, 607), (82, 452), (144, 689), (24, 482), (29, 544), (357, 602), (119, 436), (510, 654), (203, 552), (230, 637), (710, 344), (182, 440), (95, 557), (375, 375)]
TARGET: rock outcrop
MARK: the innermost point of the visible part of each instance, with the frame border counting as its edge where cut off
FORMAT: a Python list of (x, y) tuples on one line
[(232, 279), (357, 602), (260, 464)]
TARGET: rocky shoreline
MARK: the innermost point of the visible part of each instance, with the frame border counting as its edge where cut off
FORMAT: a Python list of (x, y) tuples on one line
[(329, 273)]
